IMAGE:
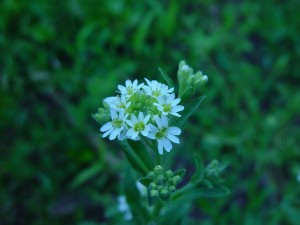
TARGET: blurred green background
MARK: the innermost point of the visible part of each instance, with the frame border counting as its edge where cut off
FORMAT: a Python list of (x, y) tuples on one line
[(59, 59)]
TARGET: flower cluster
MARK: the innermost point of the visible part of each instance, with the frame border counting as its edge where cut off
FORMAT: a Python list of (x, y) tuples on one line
[(143, 110)]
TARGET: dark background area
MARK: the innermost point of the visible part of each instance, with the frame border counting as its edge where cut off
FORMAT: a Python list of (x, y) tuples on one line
[(59, 59)]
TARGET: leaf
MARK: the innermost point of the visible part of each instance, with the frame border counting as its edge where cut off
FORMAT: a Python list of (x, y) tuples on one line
[(199, 173), (145, 181), (133, 159), (140, 150), (85, 175), (166, 77), (189, 109), (215, 192), (166, 200), (180, 173)]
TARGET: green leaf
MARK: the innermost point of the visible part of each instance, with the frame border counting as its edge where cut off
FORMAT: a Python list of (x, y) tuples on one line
[(215, 192), (141, 151), (133, 159), (166, 200), (189, 109), (180, 173), (166, 77), (199, 173), (85, 175), (145, 181)]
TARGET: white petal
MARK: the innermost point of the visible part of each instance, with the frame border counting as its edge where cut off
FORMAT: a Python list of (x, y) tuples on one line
[(114, 134), (141, 116), (106, 127), (151, 135), (113, 114), (108, 132), (128, 83), (130, 123), (175, 102), (134, 135), (122, 89), (160, 148), (164, 121), (174, 130), (177, 108), (173, 138), (175, 114), (134, 119), (158, 122), (146, 119), (134, 84), (130, 132), (153, 129), (145, 133), (167, 144)]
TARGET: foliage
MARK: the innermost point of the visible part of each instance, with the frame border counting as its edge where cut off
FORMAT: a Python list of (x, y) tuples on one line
[(60, 58)]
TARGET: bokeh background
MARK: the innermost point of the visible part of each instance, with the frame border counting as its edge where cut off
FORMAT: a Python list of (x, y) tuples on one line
[(59, 59)]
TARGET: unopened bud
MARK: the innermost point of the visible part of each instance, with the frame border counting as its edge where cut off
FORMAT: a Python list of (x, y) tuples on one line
[(154, 193), (152, 185), (176, 180), (164, 193), (151, 175), (169, 173), (158, 170), (172, 188)]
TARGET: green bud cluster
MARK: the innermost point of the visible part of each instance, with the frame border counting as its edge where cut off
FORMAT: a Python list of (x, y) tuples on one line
[(102, 116), (213, 173), (140, 102), (161, 183), (189, 83)]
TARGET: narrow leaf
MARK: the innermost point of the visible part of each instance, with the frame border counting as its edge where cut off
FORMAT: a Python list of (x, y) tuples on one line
[(166, 77), (189, 109), (145, 181), (180, 173), (140, 150), (199, 173)]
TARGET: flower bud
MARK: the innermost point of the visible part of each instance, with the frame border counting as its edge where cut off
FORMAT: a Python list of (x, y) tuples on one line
[(164, 193), (158, 170), (176, 180), (152, 186), (154, 193), (172, 188), (160, 188), (169, 173), (151, 175)]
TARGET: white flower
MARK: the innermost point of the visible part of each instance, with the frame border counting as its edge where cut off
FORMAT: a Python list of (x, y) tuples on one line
[(116, 126), (168, 105), (156, 89), (164, 134), (138, 125), (130, 87), (118, 102), (124, 208)]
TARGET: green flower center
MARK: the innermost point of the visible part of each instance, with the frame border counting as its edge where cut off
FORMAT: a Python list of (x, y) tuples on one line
[(140, 126), (117, 123), (167, 107), (161, 133)]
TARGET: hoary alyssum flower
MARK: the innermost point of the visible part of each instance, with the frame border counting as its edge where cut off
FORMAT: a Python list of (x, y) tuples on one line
[(143, 110)]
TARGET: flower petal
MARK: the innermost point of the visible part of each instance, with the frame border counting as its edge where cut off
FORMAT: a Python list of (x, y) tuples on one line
[(173, 138), (106, 127), (174, 130)]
